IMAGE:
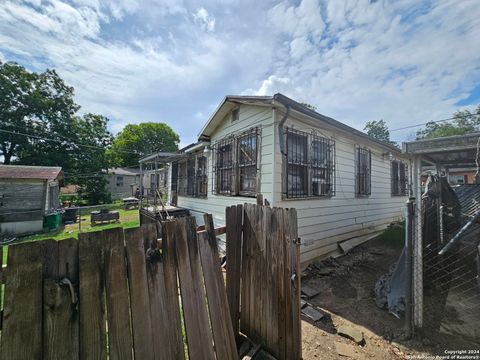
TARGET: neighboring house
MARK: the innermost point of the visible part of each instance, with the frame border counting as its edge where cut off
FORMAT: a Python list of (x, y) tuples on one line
[(456, 175), (462, 176), (27, 195), (122, 182), (345, 185)]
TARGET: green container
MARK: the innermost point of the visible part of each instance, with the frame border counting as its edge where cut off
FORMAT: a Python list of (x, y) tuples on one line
[(52, 221)]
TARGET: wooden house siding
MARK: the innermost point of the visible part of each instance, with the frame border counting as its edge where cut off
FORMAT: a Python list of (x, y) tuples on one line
[(324, 222), (249, 117), (22, 200)]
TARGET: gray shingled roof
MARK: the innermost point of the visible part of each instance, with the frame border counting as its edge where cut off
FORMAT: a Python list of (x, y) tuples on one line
[(30, 172)]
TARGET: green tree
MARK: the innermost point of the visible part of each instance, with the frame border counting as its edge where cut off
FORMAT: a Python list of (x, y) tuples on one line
[(309, 106), (39, 126), (463, 122), (90, 159), (135, 141), (379, 130), (30, 102)]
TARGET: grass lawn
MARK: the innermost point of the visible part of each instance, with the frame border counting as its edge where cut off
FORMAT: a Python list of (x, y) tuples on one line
[(128, 219)]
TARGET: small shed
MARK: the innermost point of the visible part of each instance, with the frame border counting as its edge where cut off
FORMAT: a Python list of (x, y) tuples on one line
[(27, 195)]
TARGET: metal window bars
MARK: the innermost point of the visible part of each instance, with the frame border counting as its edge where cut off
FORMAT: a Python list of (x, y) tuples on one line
[(399, 178), (322, 166), (310, 165), (363, 171), (192, 177), (236, 164), (247, 149)]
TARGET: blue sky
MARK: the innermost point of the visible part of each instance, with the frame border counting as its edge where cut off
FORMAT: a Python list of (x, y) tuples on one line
[(173, 61)]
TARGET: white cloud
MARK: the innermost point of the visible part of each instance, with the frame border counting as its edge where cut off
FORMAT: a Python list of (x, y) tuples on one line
[(204, 19), (402, 62), (173, 61)]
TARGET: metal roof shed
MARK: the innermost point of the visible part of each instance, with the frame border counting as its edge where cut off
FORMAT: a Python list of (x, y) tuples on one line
[(445, 154)]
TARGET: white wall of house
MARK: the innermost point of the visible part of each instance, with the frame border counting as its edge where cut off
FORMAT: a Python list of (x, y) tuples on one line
[(249, 117), (323, 222)]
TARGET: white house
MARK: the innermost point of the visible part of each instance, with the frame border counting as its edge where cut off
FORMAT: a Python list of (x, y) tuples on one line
[(345, 185)]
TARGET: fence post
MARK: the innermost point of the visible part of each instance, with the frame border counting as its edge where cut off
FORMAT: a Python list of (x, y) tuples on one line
[(409, 232)]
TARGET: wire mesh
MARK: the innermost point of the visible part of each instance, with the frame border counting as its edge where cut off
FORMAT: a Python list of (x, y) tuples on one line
[(446, 286)]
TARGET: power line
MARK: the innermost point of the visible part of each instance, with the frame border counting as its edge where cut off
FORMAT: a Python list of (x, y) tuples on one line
[(429, 122), (60, 141)]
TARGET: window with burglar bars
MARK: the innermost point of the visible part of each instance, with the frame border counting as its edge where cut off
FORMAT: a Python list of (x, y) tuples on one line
[(399, 178), (182, 179), (363, 174), (192, 177), (236, 162), (310, 165)]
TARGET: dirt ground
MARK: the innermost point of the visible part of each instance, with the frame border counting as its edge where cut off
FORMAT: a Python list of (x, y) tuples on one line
[(346, 296)]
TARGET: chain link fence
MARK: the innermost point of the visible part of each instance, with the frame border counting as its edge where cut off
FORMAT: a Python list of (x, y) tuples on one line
[(444, 277)]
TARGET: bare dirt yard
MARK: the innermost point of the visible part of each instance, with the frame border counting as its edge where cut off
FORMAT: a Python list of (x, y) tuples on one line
[(345, 289)]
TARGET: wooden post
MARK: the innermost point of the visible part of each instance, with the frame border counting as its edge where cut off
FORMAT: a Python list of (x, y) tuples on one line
[(234, 222)]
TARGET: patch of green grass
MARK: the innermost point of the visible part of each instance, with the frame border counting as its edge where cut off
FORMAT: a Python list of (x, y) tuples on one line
[(394, 236), (128, 219)]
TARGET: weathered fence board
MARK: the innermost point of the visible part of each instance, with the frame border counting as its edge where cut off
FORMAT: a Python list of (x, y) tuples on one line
[(225, 346), (172, 304), (122, 294), (140, 301), (269, 272), (91, 289), (234, 217), (191, 287), (60, 303), (22, 310), (116, 286)]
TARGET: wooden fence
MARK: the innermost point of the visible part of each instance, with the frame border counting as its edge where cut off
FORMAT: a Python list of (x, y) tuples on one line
[(263, 277), (114, 294)]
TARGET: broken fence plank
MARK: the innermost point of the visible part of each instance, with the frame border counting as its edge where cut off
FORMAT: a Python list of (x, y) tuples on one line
[(139, 300), (225, 346), (92, 307), (117, 296), (191, 286)]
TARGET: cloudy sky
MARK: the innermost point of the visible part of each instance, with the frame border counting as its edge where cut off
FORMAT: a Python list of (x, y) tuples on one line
[(173, 61)]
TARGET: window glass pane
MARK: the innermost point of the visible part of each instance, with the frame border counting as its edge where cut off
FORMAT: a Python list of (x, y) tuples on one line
[(248, 179), (319, 152), (201, 177), (119, 180), (363, 171), (296, 147), (247, 150), (297, 180), (224, 167)]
